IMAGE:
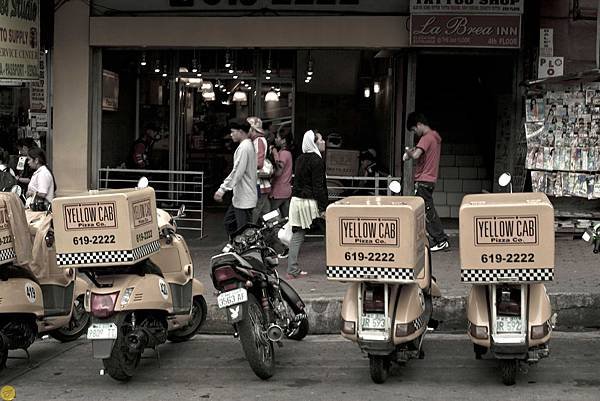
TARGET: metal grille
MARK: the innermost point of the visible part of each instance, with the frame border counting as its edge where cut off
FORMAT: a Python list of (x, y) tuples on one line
[(172, 188), (340, 187)]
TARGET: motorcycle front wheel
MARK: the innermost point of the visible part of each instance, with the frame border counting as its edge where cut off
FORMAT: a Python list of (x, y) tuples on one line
[(257, 347)]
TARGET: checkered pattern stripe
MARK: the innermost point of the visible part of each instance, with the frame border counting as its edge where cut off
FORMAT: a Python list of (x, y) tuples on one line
[(501, 275), (419, 323), (369, 273), (102, 257), (7, 254)]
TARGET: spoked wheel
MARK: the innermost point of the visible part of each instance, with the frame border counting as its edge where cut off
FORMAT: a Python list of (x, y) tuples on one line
[(257, 347), (78, 324), (122, 363), (380, 368), (198, 317), (509, 369)]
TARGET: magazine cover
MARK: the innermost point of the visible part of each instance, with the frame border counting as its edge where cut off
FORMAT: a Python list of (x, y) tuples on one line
[(534, 108)]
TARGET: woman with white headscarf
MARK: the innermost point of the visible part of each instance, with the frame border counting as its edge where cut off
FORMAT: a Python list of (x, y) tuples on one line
[(309, 196)]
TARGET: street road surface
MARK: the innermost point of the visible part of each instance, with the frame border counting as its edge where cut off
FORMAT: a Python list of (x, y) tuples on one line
[(320, 368)]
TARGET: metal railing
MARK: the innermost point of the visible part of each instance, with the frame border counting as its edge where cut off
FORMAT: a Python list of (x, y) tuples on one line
[(172, 188), (340, 187)]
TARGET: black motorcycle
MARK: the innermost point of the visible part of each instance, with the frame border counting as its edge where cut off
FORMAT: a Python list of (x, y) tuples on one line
[(262, 308)]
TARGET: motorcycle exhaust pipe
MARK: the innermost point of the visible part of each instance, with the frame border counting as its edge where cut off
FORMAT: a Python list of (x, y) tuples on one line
[(137, 341), (274, 333)]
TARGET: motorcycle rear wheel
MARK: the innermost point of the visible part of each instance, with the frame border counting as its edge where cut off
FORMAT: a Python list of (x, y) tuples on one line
[(78, 324), (121, 364), (509, 368), (380, 368), (257, 347), (189, 331)]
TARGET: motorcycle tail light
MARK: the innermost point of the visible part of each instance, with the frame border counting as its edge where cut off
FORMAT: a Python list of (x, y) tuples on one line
[(348, 327), (103, 305), (480, 332), (226, 278), (405, 329), (541, 331), (374, 298)]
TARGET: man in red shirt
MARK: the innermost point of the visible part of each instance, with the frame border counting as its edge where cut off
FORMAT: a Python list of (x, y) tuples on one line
[(427, 154)]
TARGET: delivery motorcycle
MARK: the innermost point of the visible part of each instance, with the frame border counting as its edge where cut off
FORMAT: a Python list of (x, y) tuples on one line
[(144, 291), (387, 308), (262, 307), (507, 253), (37, 297)]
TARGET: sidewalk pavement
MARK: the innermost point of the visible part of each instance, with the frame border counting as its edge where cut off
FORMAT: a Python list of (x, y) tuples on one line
[(575, 291)]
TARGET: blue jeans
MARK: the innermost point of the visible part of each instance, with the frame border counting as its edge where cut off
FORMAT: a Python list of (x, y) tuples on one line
[(295, 244)]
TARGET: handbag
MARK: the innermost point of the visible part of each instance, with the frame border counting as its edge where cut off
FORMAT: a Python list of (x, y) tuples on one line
[(285, 234), (267, 169)]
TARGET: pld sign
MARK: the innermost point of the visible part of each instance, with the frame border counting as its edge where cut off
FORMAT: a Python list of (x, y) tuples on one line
[(551, 67)]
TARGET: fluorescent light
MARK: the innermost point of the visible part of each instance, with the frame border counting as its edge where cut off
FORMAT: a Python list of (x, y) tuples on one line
[(367, 92), (376, 87)]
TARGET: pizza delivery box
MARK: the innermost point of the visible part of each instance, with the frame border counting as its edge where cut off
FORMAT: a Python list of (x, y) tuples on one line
[(105, 228), (506, 238), (375, 238)]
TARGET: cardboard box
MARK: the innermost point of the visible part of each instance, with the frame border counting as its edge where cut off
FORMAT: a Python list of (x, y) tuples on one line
[(506, 238), (105, 228), (342, 162), (7, 247), (378, 239)]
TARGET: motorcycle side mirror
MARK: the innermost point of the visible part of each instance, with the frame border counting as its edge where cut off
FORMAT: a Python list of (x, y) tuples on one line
[(395, 186), (181, 211), (504, 179), (16, 189), (142, 183)]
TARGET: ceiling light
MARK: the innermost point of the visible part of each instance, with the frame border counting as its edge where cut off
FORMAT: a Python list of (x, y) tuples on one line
[(208, 96), (235, 77), (157, 66), (194, 65), (376, 87), (268, 71), (242, 82), (207, 86), (367, 92), (271, 96), (227, 59), (143, 60), (240, 96), (309, 73), (230, 71), (199, 74), (267, 77)]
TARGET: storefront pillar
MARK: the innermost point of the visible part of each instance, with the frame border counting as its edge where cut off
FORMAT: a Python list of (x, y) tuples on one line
[(71, 83)]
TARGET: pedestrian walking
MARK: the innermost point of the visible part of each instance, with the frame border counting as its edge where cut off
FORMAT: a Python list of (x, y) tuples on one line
[(281, 183), (264, 166), (241, 180), (427, 153), (309, 196)]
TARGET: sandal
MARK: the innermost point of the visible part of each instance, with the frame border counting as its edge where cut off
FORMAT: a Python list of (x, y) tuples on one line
[(300, 274)]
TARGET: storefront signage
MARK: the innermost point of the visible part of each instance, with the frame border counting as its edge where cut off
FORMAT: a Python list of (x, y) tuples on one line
[(551, 67), (547, 42), (110, 90), (19, 39), (467, 6), (392, 6), (496, 31), (38, 89)]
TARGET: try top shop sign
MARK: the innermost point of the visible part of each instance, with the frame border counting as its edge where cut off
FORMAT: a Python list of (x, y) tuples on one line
[(467, 6)]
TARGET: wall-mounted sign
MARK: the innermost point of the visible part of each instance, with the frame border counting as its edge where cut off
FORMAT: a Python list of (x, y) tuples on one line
[(467, 6), (547, 42), (296, 6), (38, 89), (19, 40), (551, 67), (110, 90), (463, 30)]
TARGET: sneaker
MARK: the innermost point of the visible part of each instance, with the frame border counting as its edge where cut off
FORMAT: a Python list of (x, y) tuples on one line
[(284, 254), (301, 274), (440, 246)]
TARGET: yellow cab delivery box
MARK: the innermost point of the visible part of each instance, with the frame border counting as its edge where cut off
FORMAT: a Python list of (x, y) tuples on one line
[(7, 245), (506, 238), (375, 238), (105, 228)]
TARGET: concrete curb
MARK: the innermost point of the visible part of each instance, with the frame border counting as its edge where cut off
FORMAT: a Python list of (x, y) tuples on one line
[(575, 312)]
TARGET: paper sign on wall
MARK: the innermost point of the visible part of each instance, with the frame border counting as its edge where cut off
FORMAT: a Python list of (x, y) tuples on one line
[(551, 67), (546, 42)]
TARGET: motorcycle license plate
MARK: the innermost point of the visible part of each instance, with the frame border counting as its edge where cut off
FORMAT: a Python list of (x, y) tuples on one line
[(102, 331), (374, 321), (508, 324), (232, 297)]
